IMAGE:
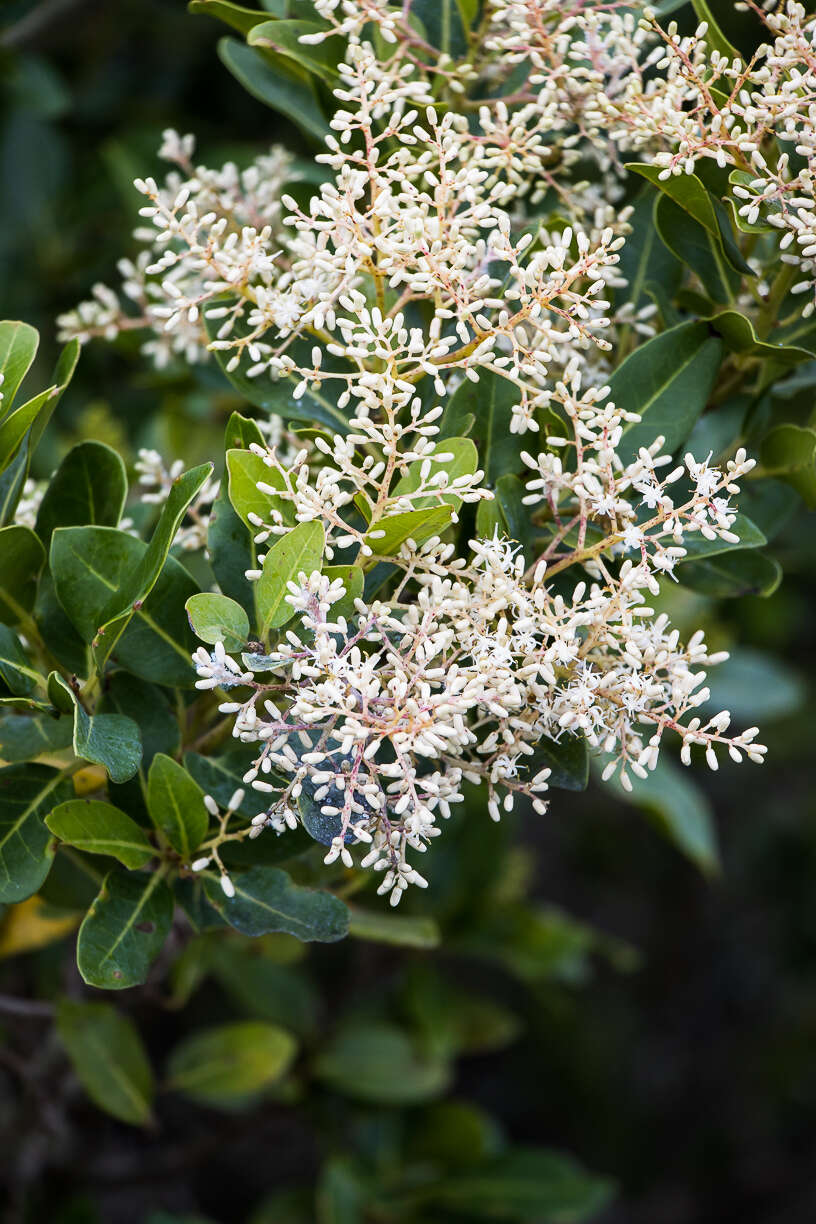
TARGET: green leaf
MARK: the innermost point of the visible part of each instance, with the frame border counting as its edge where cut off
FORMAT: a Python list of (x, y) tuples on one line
[(15, 427), (401, 930), (689, 195), (100, 828), (23, 558), (264, 989), (89, 487), (16, 672), (18, 348), (733, 575), (301, 550), (110, 740), (462, 460), (216, 618), (176, 805), (698, 547), (27, 792), (667, 381), (124, 930), (524, 1184), (225, 1065), (353, 580), (379, 1064), (137, 584), (283, 92), (644, 259), (754, 687), (789, 452), (266, 900), (108, 1058), (284, 37), (25, 737), (416, 525), (491, 402), (88, 563), (568, 758), (231, 550), (694, 246), (245, 469), (148, 706), (738, 333), (678, 808), (241, 19)]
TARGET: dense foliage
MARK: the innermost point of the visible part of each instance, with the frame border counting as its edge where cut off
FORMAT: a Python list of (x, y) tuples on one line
[(521, 355)]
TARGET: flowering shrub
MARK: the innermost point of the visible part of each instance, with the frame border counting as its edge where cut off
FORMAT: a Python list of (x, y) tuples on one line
[(513, 355)]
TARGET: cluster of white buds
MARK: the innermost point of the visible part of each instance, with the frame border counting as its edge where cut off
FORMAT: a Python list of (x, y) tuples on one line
[(457, 238), (368, 724)]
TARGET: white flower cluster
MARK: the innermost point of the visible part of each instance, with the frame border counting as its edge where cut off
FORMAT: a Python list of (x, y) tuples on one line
[(369, 724), (419, 263), (209, 231)]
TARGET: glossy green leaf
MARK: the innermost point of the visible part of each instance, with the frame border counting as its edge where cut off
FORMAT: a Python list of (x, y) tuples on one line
[(491, 402), (23, 557), (27, 793), (18, 348), (16, 672), (789, 453), (88, 487), (109, 1059), (568, 758), (644, 259), (245, 469), (110, 740), (15, 426), (754, 687), (696, 247), (401, 930), (176, 805), (88, 563), (285, 93), (679, 809), (234, 15), (416, 525), (137, 584), (667, 381), (300, 550), (231, 550), (379, 1064), (216, 618), (739, 335), (124, 930), (24, 737), (284, 37), (732, 575), (225, 1065), (687, 193), (524, 1184), (460, 459), (266, 900), (101, 828)]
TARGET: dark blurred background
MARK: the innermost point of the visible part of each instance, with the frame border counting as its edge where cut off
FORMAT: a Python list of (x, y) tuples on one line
[(690, 1077)]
